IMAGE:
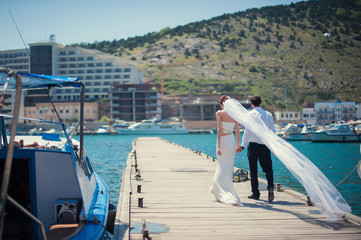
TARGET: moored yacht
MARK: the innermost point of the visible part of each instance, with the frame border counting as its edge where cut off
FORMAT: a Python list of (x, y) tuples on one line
[(336, 133), (151, 126)]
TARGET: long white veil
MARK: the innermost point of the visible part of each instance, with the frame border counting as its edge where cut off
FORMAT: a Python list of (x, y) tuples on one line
[(320, 190)]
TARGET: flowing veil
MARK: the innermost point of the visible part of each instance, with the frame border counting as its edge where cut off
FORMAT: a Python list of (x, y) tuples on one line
[(320, 190)]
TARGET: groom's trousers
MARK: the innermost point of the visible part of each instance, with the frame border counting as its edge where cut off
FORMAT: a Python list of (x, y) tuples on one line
[(259, 152)]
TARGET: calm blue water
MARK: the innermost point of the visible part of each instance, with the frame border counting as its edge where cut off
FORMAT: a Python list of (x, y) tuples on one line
[(335, 160)]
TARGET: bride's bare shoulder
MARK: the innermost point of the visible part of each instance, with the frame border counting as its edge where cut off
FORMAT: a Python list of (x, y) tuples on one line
[(220, 112)]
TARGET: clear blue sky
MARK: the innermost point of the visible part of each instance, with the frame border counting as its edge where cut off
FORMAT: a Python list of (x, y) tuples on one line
[(75, 21)]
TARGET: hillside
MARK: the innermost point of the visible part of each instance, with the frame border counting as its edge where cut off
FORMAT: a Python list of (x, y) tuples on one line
[(257, 51)]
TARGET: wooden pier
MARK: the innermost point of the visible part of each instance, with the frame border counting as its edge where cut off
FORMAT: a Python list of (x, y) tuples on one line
[(165, 195)]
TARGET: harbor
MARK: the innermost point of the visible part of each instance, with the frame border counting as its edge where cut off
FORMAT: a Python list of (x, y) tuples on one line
[(164, 195)]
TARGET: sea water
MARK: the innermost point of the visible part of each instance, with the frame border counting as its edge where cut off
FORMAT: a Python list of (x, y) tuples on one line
[(108, 154)]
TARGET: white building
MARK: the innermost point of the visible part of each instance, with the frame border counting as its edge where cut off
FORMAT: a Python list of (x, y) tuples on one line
[(97, 70), (358, 112), (287, 116), (309, 116)]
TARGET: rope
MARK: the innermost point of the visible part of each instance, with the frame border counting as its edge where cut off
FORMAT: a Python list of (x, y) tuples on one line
[(346, 176), (121, 170)]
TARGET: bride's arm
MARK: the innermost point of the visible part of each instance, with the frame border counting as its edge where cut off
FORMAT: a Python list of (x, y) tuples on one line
[(236, 127), (219, 132)]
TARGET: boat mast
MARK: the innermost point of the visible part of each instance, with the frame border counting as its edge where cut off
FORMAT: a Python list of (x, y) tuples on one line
[(82, 121), (9, 155)]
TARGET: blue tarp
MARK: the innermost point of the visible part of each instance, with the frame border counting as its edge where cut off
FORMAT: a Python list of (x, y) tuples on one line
[(33, 81)]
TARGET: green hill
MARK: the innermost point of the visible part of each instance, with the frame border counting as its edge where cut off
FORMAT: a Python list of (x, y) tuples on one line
[(257, 51)]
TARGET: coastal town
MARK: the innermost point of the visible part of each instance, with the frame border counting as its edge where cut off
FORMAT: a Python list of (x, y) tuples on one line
[(120, 91)]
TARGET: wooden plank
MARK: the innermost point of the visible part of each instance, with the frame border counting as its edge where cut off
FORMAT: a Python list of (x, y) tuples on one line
[(175, 184)]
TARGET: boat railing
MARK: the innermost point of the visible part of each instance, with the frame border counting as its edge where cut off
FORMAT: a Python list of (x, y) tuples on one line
[(28, 214), (42, 127)]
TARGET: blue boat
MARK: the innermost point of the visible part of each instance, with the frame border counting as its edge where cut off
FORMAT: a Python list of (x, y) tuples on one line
[(49, 188)]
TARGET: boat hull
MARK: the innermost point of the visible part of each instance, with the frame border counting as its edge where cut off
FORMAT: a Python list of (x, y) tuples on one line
[(324, 137), (298, 137)]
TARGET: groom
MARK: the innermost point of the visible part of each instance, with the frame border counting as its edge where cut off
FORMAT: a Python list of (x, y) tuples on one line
[(258, 151)]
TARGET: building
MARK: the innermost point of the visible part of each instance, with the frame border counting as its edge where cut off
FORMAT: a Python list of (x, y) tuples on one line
[(309, 116), (202, 108), (97, 70), (68, 111), (358, 112), (287, 117), (135, 102), (333, 112)]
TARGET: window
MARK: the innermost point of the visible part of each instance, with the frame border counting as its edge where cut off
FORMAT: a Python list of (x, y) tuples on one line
[(67, 110)]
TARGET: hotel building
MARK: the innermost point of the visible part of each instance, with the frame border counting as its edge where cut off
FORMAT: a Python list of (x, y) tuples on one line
[(97, 70)]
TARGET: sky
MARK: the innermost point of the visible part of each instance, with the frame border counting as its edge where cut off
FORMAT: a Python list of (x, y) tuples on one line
[(76, 21)]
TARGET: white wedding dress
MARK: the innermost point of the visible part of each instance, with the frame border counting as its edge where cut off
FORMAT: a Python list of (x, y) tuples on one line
[(222, 187)]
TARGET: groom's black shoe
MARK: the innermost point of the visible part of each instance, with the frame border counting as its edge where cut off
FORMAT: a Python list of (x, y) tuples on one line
[(271, 195), (254, 196)]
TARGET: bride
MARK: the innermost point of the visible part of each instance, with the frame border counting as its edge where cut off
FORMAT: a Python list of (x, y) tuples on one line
[(222, 187)]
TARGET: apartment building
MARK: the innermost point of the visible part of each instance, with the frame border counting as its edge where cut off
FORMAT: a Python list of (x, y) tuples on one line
[(333, 112), (135, 102)]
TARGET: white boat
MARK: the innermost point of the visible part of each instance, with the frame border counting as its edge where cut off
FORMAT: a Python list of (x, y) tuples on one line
[(148, 127), (336, 133), (292, 132), (50, 189), (106, 130)]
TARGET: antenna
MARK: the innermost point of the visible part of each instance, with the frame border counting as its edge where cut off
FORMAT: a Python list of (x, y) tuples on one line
[(37, 71), (286, 96), (22, 39)]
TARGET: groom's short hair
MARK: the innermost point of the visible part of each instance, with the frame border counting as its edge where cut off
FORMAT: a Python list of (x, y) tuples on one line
[(256, 101)]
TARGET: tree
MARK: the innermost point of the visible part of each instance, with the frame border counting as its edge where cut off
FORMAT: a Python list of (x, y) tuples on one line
[(105, 119)]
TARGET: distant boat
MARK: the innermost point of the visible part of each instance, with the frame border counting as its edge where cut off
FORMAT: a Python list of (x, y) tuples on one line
[(292, 132), (337, 133), (50, 189), (151, 126), (120, 124), (106, 130)]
